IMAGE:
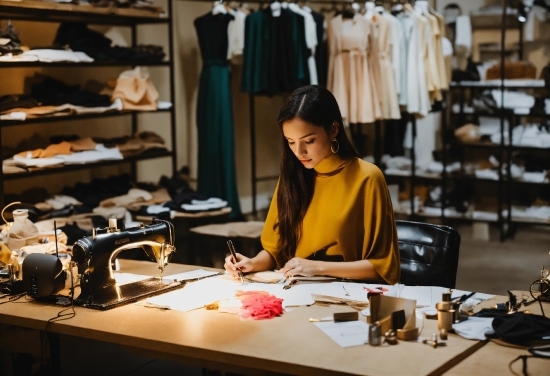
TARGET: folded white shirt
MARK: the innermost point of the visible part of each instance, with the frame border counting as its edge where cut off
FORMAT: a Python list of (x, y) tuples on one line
[(51, 55), (486, 174), (534, 177), (204, 206), (100, 153), (157, 209)]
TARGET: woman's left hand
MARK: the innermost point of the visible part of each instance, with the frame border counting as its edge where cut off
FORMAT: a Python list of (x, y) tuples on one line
[(300, 266)]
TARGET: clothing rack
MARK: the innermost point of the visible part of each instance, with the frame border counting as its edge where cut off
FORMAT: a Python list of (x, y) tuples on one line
[(254, 179)]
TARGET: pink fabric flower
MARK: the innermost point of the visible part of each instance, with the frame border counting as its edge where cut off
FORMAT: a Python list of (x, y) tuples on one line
[(259, 305)]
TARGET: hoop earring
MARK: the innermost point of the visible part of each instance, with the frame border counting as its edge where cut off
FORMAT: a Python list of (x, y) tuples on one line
[(337, 146)]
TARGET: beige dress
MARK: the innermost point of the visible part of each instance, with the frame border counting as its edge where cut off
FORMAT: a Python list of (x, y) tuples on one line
[(434, 51), (348, 71), (388, 88), (441, 67)]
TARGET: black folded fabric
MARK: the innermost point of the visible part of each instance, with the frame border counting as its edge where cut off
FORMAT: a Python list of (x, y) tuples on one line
[(78, 37), (184, 197), (92, 193), (14, 45), (52, 92), (74, 233), (520, 328), (174, 185), (11, 101)]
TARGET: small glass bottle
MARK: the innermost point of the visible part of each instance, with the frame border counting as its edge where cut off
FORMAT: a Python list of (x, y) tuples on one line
[(375, 334)]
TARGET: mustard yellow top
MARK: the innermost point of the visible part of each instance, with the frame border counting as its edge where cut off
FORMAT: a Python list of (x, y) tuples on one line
[(351, 206)]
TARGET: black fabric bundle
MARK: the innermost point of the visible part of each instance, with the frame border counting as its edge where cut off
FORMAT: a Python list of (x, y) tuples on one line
[(520, 328)]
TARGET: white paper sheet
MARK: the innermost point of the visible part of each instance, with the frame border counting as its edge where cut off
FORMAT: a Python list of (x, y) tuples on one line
[(199, 293), (195, 294), (346, 334), (124, 278), (194, 274)]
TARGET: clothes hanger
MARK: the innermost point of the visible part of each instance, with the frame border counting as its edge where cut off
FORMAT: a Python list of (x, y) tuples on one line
[(219, 7), (275, 8), (396, 7), (369, 9), (348, 12), (379, 6)]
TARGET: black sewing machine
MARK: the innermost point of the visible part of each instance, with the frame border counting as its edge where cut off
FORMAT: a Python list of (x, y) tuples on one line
[(94, 256)]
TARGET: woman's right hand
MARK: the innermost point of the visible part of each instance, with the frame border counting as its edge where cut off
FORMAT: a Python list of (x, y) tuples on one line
[(244, 264), (262, 261)]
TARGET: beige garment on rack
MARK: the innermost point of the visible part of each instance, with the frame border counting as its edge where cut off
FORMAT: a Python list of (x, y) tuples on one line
[(427, 54), (434, 43), (441, 66), (348, 73), (388, 89), (375, 71)]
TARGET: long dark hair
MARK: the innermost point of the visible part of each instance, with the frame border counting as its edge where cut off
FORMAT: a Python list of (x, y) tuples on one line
[(316, 105)]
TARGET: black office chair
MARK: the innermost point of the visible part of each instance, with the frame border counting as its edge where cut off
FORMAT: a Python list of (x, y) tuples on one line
[(429, 254)]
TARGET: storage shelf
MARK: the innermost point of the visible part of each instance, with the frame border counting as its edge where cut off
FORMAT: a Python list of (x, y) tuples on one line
[(531, 221), (487, 145), (480, 21), (44, 11), (77, 117), (455, 177), (496, 84), (465, 217), (63, 64), (469, 218), (498, 113), (58, 12), (87, 166)]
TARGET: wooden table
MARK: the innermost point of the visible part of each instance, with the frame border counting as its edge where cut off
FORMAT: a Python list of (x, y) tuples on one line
[(287, 344)]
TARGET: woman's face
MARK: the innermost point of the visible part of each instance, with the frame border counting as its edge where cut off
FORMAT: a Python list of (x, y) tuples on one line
[(309, 143)]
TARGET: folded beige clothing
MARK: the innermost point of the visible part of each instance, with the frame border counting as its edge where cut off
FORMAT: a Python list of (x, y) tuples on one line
[(42, 110), (468, 133), (134, 195), (83, 144), (52, 150), (157, 197), (112, 212)]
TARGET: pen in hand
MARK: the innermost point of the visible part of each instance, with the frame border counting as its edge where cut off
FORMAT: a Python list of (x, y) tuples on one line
[(234, 255)]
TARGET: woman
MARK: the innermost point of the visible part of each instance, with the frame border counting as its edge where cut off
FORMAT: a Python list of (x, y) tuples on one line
[(330, 206)]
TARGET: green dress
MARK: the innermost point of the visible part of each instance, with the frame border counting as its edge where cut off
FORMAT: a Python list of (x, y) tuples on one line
[(216, 159)]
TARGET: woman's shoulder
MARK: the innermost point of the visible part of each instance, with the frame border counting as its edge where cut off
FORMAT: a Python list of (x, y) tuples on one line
[(364, 168)]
